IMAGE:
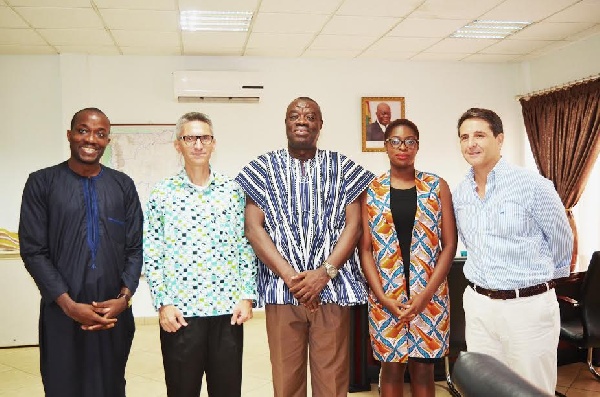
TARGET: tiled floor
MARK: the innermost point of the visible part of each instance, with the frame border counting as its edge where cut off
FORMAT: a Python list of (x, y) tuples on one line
[(19, 369)]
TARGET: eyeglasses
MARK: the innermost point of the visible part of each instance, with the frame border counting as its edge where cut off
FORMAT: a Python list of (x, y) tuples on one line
[(192, 139), (396, 142)]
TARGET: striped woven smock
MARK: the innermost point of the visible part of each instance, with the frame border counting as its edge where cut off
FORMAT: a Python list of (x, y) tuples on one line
[(305, 212)]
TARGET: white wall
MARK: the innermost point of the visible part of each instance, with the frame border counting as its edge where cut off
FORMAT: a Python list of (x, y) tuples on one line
[(139, 90), (41, 93), (573, 62), (31, 133)]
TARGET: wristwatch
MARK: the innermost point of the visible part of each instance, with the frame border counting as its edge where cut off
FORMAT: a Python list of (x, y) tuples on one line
[(127, 298), (331, 270)]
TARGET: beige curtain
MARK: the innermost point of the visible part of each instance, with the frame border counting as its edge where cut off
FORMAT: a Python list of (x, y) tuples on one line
[(563, 127)]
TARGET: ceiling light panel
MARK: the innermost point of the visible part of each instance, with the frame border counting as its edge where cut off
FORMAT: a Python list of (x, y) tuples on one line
[(215, 21), (489, 29)]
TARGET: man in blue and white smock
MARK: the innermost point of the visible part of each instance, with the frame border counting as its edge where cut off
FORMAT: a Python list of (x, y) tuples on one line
[(303, 221), (519, 240)]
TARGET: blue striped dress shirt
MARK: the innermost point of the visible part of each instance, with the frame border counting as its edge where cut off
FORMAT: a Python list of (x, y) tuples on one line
[(518, 235), (305, 212)]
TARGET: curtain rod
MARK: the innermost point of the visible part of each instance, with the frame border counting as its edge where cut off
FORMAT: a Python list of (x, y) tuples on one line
[(558, 87)]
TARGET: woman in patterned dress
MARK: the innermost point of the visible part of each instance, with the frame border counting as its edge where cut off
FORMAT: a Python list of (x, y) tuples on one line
[(408, 243)]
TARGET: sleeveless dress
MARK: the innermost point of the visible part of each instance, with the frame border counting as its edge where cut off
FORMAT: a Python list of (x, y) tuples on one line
[(427, 335)]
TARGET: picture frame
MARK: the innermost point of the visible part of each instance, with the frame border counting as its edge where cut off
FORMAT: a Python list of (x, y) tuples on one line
[(372, 131)]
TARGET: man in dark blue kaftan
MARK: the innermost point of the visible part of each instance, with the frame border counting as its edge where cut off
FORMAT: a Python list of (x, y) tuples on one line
[(81, 240)]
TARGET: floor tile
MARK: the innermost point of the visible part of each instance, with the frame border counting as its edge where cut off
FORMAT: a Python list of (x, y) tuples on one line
[(14, 380), (5, 368), (141, 386), (581, 393), (567, 374), (585, 381)]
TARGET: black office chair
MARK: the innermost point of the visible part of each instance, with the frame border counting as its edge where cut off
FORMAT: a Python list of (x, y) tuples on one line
[(480, 375), (584, 329), (456, 285)]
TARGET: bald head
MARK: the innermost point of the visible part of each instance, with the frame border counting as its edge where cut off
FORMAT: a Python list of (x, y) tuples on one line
[(383, 113)]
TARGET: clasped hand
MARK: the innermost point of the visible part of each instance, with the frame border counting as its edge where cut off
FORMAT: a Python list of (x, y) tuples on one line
[(97, 316), (405, 312), (306, 287)]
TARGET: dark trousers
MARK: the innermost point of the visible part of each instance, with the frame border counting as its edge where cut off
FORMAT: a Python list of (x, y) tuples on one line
[(77, 363), (208, 345)]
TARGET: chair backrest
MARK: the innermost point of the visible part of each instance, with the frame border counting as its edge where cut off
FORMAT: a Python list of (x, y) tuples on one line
[(480, 375), (456, 286), (590, 302)]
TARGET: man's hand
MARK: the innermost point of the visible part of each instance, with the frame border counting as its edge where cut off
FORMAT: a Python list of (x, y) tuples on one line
[(308, 285), (242, 312), (84, 314), (171, 318), (110, 308), (89, 319)]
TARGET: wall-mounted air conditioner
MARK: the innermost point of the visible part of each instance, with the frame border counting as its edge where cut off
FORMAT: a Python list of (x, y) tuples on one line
[(217, 86)]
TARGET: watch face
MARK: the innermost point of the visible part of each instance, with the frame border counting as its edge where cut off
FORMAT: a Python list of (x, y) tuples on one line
[(331, 271)]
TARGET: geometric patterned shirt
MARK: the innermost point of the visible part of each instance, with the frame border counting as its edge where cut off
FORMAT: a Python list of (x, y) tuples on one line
[(304, 203), (195, 254)]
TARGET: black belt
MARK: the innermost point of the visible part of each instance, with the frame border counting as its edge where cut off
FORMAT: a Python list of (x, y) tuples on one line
[(514, 293)]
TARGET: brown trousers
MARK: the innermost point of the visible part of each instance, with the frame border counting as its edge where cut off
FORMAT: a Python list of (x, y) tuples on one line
[(293, 332)]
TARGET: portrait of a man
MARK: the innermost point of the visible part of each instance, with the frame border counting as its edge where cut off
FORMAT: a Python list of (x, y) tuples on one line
[(377, 113), (376, 130)]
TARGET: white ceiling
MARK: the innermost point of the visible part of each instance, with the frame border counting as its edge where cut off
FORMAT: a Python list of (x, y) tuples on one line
[(375, 29)]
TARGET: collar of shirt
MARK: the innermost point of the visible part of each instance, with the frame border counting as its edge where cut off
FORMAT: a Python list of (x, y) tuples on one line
[(500, 168), (214, 180)]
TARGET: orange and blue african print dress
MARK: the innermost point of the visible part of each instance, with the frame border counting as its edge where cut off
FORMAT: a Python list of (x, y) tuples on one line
[(427, 335)]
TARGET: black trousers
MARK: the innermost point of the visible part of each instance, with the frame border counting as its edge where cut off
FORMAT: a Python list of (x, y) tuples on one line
[(208, 345), (77, 363)]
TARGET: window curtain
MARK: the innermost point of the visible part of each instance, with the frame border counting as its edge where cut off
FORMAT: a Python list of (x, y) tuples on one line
[(563, 127)]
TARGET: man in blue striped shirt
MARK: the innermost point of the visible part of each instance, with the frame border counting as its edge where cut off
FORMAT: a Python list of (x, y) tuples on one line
[(515, 229), (303, 221)]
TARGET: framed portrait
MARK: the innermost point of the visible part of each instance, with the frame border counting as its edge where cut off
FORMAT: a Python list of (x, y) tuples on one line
[(377, 112)]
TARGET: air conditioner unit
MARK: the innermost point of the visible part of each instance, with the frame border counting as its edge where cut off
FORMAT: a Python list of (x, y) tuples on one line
[(217, 86)]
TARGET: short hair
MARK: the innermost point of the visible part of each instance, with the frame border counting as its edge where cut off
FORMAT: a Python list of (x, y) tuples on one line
[(192, 116), (399, 123), (79, 112), (490, 116), (309, 99)]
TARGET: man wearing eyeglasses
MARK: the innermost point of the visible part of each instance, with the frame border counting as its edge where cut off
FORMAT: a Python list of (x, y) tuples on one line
[(303, 221), (519, 240), (200, 268), (81, 240)]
